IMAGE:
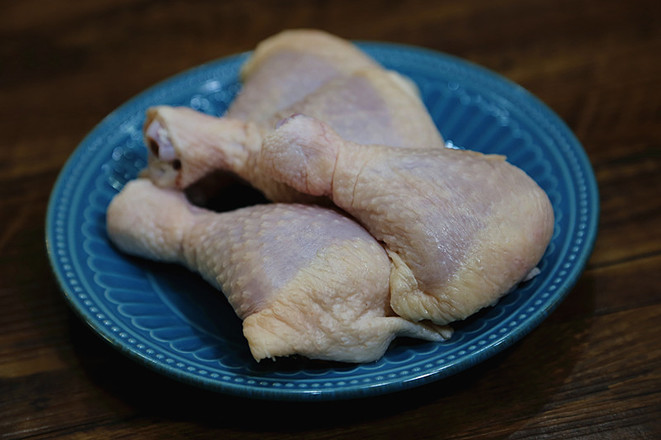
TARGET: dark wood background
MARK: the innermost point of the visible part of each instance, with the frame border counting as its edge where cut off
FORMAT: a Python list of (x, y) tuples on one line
[(591, 370)]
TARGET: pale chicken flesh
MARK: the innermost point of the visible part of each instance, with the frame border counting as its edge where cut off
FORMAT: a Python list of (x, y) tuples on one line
[(305, 280), (288, 66), (361, 101), (460, 227), (442, 234)]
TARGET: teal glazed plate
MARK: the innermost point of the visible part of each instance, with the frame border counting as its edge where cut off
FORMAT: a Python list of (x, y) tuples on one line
[(174, 323)]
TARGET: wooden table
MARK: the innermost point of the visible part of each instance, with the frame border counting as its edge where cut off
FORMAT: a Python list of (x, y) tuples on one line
[(591, 370)]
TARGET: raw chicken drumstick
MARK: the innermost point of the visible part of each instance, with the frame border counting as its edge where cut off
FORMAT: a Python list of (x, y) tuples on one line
[(297, 71), (288, 66), (460, 227), (304, 279), (369, 106)]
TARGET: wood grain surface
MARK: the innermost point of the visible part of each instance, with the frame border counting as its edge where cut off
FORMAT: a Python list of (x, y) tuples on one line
[(591, 370)]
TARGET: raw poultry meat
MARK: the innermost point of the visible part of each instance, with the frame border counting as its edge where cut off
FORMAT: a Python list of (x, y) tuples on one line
[(362, 101), (288, 66), (374, 105), (369, 106), (460, 227), (304, 279)]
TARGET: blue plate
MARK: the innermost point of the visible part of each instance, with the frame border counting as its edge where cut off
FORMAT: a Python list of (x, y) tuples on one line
[(173, 322)]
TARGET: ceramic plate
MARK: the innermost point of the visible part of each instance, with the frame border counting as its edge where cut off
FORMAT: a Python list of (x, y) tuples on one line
[(174, 323)]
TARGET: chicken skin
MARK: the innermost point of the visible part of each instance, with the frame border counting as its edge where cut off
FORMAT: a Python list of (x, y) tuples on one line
[(286, 67), (305, 280), (369, 106), (298, 71), (460, 227)]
